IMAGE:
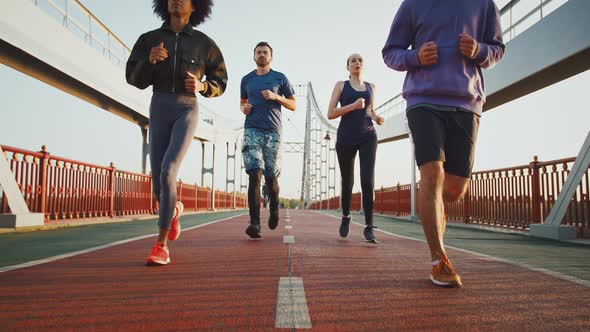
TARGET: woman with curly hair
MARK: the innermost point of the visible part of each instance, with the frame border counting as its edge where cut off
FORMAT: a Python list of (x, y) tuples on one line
[(174, 59)]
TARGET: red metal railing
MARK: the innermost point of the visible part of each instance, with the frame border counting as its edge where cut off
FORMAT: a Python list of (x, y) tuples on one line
[(241, 201), (30, 173), (132, 193), (67, 189), (512, 197), (204, 201), (355, 202), (395, 200), (334, 203), (553, 176), (519, 196), (222, 200), (187, 194), (502, 197)]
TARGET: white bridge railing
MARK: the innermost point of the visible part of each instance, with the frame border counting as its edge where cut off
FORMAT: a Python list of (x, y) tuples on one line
[(81, 22)]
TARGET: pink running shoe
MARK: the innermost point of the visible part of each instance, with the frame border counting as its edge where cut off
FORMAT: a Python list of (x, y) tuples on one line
[(159, 255), (175, 226)]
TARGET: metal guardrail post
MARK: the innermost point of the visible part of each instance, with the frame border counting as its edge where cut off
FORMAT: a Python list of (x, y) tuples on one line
[(43, 181), (382, 206), (398, 201), (112, 171), (196, 197), (535, 192)]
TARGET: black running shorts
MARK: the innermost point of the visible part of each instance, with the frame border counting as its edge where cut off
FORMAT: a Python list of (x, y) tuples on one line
[(447, 136)]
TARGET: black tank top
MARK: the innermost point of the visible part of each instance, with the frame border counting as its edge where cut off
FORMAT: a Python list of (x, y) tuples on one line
[(355, 127)]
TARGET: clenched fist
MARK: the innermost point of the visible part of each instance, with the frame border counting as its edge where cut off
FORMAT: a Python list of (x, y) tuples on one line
[(269, 95), (359, 104), (428, 54), (380, 120), (192, 83), (158, 54), (246, 109), (468, 46)]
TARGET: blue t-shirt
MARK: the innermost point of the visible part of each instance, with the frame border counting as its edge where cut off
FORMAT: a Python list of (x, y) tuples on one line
[(265, 114)]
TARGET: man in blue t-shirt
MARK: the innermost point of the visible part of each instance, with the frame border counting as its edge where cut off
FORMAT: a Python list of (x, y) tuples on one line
[(262, 93)]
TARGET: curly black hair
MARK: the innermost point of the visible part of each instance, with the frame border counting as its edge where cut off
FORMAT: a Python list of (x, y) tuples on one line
[(201, 13)]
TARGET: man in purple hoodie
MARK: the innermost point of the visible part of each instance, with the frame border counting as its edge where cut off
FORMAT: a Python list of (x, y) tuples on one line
[(449, 43)]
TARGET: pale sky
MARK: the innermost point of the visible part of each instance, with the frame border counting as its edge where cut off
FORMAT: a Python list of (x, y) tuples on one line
[(312, 40)]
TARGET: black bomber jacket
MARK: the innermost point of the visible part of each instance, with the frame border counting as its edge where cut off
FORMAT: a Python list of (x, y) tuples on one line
[(189, 50)]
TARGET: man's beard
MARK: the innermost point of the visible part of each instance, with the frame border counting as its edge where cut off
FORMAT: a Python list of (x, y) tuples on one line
[(261, 63)]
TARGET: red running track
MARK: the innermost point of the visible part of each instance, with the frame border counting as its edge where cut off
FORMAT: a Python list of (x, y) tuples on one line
[(221, 280)]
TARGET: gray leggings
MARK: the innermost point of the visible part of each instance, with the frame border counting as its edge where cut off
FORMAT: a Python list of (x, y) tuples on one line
[(173, 121)]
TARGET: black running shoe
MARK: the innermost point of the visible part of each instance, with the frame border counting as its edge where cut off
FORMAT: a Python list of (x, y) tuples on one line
[(344, 226), (273, 220), (369, 235), (253, 230)]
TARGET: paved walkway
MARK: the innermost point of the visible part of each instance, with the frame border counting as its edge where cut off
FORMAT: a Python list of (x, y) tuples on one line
[(567, 258), (221, 280)]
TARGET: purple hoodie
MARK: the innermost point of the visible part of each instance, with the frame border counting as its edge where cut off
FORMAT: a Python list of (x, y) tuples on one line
[(454, 80)]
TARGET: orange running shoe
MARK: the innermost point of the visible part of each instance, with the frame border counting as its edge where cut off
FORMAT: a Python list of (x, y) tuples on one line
[(174, 232), (159, 255), (444, 275)]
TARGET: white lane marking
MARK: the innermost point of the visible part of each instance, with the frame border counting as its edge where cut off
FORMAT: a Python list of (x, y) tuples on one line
[(292, 309), (288, 239), (105, 246), (288, 227), (493, 258)]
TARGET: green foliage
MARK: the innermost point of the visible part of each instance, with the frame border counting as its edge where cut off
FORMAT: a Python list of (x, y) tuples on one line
[(288, 203)]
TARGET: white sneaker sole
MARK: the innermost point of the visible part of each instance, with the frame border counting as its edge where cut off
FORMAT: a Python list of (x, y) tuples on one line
[(443, 284), (152, 263), (369, 241)]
